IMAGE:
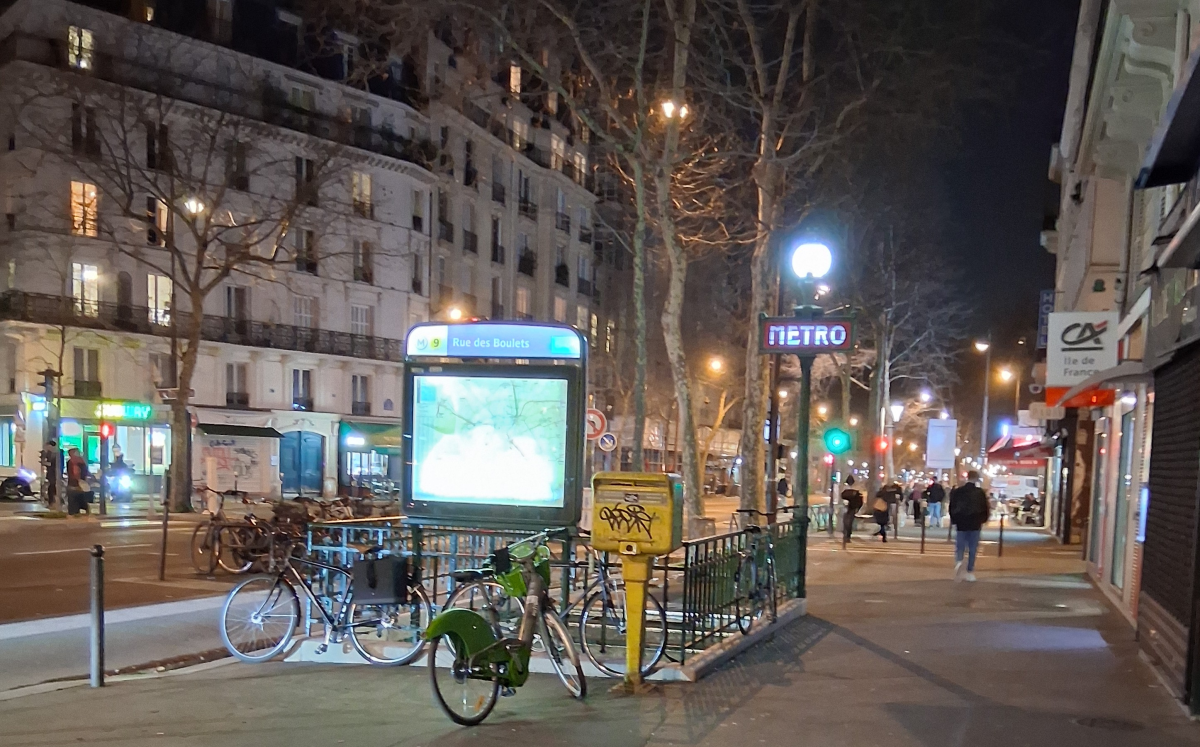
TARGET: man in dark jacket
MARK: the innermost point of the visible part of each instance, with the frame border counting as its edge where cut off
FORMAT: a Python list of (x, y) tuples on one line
[(934, 495), (968, 512), (853, 500)]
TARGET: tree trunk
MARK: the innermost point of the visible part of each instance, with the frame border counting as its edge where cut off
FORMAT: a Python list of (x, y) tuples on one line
[(672, 322), (639, 316), (754, 408), (181, 421)]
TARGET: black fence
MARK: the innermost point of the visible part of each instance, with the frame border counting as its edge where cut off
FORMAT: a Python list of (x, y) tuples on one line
[(47, 309)]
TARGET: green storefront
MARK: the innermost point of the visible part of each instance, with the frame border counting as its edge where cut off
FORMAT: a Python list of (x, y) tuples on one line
[(140, 433), (369, 457)]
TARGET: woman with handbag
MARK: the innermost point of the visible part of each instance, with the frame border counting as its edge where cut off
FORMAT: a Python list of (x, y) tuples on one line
[(879, 508)]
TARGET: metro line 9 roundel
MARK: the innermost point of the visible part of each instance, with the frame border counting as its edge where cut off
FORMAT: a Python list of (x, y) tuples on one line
[(806, 336)]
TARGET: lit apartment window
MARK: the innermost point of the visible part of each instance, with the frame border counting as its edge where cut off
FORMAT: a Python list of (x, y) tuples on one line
[(558, 152), (514, 78), (361, 320), (304, 311), (360, 189), (520, 134), (523, 303), (85, 288), (83, 209), (156, 218), (148, 11), (302, 98), (594, 330), (158, 298), (552, 102), (560, 309), (610, 336), (580, 166), (80, 48)]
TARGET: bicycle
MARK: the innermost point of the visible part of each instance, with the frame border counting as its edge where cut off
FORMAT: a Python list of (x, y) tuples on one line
[(483, 654), (261, 613), (603, 623), (754, 589)]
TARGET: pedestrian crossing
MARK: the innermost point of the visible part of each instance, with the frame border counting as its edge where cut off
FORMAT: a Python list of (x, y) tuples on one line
[(902, 546)]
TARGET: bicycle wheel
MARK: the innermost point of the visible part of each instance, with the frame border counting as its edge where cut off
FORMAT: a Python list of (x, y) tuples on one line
[(259, 618), (234, 544), (603, 630), (479, 595), (465, 699), (562, 653), (205, 548), (391, 634), (747, 606)]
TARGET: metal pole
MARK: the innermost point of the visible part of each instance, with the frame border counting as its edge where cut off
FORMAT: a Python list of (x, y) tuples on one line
[(97, 639), (922, 534), (987, 382), (1001, 551), (773, 429), (801, 500), (103, 471), (832, 510), (162, 555)]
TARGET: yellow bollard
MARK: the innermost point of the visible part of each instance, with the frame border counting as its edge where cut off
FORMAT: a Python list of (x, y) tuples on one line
[(636, 569)]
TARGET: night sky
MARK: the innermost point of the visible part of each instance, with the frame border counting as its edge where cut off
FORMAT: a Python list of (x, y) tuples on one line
[(997, 191)]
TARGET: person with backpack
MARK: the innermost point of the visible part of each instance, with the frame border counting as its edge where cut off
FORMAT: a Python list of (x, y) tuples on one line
[(969, 511), (881, 510), (852, 499)]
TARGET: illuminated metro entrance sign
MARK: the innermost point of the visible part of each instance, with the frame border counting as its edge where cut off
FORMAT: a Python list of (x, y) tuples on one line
[(806, 336)]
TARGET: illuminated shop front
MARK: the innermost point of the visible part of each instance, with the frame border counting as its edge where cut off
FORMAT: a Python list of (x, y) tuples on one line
[(141, 435), (369, 457)]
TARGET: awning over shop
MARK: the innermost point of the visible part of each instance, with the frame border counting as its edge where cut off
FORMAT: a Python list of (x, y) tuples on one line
[(356, 435), (1020, 452), (247, 431), (1082, 394)]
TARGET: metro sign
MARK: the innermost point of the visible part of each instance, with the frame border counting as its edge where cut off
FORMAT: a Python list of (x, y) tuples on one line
[(805, 336)]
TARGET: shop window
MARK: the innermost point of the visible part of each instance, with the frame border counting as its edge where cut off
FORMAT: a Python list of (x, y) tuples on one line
[(7, 446)]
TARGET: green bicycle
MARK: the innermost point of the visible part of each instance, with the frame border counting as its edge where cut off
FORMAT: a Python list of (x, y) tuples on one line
[(478, 659)]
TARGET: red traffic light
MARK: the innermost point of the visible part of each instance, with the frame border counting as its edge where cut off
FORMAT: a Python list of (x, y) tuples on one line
[(828, 459), (881, 445), (106, 430)]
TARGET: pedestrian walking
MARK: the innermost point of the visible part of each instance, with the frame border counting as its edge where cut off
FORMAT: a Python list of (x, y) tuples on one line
[(50, 465), (781, 489), (934, 495), (879, 509), (78, 490), (852, 499), (969, 511)]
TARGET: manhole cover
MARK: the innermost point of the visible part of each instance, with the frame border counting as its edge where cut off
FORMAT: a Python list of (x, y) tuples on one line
[(1109, 724)]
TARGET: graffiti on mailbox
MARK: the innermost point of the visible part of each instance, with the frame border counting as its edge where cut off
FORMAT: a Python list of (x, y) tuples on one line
[(630, 518)]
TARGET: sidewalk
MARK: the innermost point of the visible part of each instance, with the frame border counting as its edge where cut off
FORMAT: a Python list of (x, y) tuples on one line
[(894, 654)]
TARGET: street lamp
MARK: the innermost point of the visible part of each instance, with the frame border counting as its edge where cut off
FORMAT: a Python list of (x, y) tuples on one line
[(897, 409), (715, 364), (1007, 374), (853, 420), (822, 410), (455, 313), (670, 109), (985, 347), (193, 206), (812, 259), (925, 395)]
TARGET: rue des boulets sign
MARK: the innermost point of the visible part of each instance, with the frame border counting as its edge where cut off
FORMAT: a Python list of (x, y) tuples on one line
[(797, 336)]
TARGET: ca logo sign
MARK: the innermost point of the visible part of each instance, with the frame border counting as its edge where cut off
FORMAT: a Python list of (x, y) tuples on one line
[(1084, 336)]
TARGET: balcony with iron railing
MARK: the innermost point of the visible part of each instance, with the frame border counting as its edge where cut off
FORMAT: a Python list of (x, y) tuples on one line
[(87, 389), (360, 408), (498, 254), (363, 274), (527, 209), (445, 232), (585, 234), (584, 286), (470, 242), (364, 209), (497, 310), (562, 275), (470, 176), (237, 399), (527, 263), (37, 308), (302, 403), (562, 221)]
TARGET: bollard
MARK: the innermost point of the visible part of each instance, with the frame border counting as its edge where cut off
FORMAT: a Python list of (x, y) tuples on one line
[(162, 555), (97, 647), (1000, 554), (636, 569), (923, 522)]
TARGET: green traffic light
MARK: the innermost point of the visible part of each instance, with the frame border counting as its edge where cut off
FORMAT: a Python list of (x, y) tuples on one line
[(837, 441)]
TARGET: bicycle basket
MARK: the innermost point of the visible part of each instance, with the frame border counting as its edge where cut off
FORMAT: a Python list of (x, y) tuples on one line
[(512, 580), (383, 580)]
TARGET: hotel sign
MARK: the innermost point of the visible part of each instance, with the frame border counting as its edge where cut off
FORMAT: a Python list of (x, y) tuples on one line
[(805, 336)]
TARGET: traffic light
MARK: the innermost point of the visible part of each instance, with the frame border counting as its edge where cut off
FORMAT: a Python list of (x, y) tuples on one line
[(881, 444), (837, 441), (828, 459), (106, 430)]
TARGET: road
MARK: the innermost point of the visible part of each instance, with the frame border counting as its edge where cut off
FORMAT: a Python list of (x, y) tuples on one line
[(44, 563)]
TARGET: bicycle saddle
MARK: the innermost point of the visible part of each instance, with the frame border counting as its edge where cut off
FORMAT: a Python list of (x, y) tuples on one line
[(752, 529), (473, 574), (366, 549)]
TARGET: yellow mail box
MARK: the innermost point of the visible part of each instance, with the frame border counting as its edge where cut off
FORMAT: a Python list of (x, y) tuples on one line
[(637, 513)]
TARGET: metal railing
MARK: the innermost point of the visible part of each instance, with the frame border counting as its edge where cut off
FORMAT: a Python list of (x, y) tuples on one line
[(47, 309), (527, 263), (562, 275), (709, 594)]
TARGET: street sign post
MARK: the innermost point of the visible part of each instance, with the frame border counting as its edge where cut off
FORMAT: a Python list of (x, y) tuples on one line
[(595, 424), (607, 442)]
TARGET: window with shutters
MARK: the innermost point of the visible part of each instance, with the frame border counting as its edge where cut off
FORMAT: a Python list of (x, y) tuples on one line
[(87, 372), (304, 311), (362, 320), (85, 289)]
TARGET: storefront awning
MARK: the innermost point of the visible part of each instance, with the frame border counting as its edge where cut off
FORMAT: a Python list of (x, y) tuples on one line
[(1018, 454), (246, 431), (1126, 372), (356, 435)]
